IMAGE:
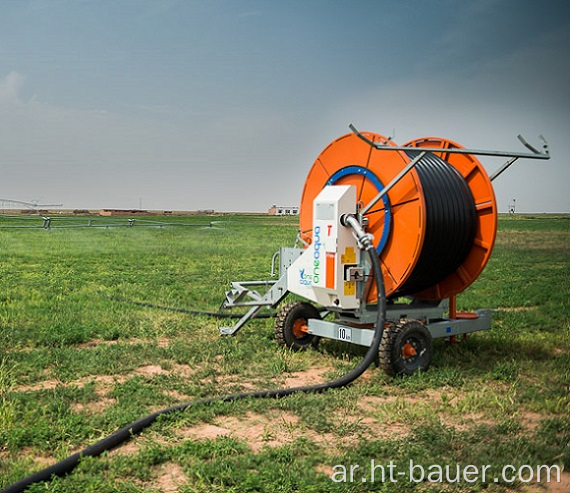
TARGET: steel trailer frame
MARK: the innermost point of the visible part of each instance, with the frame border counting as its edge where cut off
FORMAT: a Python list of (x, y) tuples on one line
[(256, 295)]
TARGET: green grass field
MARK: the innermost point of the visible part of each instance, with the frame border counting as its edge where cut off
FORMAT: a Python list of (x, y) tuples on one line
[(76, 364)]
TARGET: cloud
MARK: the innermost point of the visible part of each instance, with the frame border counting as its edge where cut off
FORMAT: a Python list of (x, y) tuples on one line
[(10, 87)]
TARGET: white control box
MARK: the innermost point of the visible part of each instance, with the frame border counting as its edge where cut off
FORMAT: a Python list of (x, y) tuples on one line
[(322, 273)]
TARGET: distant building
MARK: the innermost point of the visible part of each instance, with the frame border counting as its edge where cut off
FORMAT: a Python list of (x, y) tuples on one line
[(123, 212), (278, 210)]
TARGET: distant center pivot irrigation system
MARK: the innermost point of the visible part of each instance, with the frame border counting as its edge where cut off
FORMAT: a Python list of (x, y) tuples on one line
[(63, 222), (379, 223), (27, 205)]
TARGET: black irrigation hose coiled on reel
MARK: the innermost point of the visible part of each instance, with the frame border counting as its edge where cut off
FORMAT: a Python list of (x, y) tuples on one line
[(67, 465), (451, 220)]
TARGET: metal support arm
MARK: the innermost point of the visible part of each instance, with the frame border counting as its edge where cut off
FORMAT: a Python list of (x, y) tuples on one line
[(394, 181), (277, 290), (535, 154)]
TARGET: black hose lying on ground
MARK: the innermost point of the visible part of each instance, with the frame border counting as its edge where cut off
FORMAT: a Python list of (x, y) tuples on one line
[(67, 465)]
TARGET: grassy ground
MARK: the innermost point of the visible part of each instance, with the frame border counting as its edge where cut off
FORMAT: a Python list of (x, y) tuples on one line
[(76, 364)]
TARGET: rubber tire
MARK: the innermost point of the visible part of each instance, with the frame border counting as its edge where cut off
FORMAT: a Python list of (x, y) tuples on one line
[(394, 338), (284, 325)]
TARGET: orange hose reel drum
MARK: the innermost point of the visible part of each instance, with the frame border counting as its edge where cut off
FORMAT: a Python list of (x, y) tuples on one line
[(350, 161), (486, 210)]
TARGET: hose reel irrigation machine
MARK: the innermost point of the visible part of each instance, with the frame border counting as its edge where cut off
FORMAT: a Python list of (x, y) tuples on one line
[(428, 212)]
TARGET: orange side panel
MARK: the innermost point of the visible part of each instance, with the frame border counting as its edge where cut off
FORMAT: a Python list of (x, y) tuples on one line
[(330, 266)]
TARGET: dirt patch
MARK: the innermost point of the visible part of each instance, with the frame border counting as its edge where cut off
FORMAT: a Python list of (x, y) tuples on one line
[(272, 430), (368, 376), (375, 403), (372, 403), (388, 431), (104, 383), (137, 443), (353, 427), (531, 420), (177, 395), (258, 430), (311, 376), (130, 448), (24, 350), (376, 430), (443, 407), (206, 431), (553, 487), (169, 477), (39, 459), (44, 385), (107, 382), (562, 487), (162, 342), (184, 371), (94, 407), (44, 460), (229, 381), (390, 423), (150, 371), (468, 421), (325, 469), (295, 379), (517, 308)]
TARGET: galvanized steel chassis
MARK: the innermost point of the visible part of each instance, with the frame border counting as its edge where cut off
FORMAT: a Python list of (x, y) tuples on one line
[(256, 295)]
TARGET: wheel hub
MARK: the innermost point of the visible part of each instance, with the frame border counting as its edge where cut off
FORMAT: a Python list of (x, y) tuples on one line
[(300, 328), (408, 351)]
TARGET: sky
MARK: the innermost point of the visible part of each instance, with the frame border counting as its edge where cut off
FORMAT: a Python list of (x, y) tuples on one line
[(225, 105)]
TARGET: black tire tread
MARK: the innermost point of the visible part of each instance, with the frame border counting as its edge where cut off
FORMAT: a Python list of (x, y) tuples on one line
[(386, 349), (282, 324)]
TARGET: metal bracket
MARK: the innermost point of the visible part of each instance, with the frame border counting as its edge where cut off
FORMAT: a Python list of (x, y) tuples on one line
[(241, 295), (273, 259), (241, 291), (505, 166)]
